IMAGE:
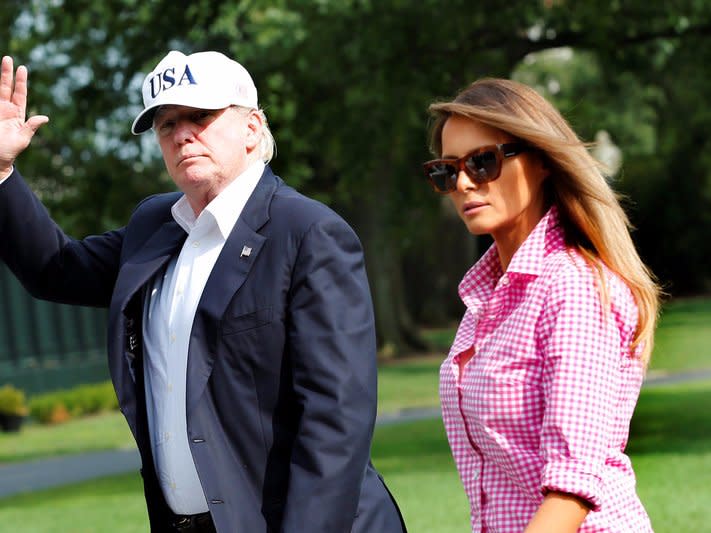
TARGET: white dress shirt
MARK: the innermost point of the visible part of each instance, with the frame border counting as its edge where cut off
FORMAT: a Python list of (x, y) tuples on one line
[(169, 311)]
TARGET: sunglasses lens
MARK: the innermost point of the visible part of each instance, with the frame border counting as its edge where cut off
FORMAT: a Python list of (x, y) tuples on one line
[(443, 177), (483, 167)]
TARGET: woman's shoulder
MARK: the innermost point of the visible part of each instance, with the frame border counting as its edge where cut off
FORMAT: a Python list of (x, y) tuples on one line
[(568, 269)]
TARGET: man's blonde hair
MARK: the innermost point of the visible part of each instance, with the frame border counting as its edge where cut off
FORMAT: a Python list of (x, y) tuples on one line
[(267, 145)]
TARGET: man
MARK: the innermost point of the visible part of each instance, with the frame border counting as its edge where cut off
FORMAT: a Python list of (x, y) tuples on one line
[(241, 337)]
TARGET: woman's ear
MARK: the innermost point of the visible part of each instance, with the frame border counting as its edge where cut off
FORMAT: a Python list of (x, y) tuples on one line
[(540, 165)]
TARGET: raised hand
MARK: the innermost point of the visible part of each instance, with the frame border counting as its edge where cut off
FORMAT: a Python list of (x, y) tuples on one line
[(15, 132)]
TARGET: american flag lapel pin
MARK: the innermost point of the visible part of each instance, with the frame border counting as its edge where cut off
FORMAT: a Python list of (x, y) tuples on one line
[(246, 250)]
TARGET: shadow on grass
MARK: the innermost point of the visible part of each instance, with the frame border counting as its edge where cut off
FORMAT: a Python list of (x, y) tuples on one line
[(672, 419)]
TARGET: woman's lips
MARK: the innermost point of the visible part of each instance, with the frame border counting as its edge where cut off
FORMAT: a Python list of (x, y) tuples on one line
[(470, 208)]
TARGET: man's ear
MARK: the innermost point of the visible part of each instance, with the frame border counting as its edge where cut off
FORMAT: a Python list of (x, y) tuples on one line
[(254, 129)]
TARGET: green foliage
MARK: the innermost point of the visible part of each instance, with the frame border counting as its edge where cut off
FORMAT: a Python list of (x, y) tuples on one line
[(346, 85), (59, 406), (12, 401), (91, 399), (49, 408)]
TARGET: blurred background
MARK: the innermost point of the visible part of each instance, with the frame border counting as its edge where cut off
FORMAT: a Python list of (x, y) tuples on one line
[(346, 85)]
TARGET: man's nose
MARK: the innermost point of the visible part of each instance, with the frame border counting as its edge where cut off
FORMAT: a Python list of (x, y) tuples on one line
[(184, 131)]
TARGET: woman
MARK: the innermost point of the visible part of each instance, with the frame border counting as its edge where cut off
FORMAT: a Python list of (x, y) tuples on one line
[(540, 384)]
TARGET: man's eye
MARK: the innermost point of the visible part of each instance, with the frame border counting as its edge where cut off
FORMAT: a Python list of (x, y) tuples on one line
[(165, 127), (202, 116)]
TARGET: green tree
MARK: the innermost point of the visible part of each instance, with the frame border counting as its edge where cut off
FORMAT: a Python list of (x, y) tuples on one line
[(346, 84)]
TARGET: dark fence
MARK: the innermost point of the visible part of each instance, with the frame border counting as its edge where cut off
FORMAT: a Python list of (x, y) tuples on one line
[(46, 346)]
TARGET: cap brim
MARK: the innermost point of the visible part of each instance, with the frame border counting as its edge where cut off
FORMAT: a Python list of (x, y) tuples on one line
[(144, 121)]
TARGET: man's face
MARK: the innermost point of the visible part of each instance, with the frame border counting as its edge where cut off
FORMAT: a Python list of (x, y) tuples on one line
[(205, 149)]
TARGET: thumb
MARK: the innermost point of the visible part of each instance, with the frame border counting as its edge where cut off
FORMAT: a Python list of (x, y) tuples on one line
[(34, 123)]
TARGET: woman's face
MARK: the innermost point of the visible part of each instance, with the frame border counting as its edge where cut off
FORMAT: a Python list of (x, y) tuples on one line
[(507, 208)]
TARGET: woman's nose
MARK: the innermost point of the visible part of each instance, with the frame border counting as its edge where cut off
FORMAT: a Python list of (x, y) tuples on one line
[(464, 182)]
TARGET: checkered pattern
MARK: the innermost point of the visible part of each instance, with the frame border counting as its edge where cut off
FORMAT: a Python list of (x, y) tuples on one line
[(545, 402)]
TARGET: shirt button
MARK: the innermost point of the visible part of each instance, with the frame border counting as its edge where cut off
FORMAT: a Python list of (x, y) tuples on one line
[(196, 244), (170, 387), (475, 475)]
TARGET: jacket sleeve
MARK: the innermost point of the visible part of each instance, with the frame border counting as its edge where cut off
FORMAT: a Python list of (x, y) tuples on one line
[(331, 343), (47, 262)]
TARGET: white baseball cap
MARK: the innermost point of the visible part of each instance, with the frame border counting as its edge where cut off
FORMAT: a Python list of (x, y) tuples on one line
[(205, 80)]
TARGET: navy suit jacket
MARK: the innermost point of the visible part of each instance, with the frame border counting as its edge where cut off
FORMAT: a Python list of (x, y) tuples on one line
[(281, 380)]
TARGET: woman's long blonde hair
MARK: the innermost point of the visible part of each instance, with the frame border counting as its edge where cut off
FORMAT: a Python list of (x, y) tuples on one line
[(592, 217)]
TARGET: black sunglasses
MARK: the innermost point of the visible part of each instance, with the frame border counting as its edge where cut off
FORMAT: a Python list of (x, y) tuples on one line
[(481, 165)]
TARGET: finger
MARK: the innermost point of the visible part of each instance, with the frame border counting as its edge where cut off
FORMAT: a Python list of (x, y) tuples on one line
[(19, 96), (6, 78)]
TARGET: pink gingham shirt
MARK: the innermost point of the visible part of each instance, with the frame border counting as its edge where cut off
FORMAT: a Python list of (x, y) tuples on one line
[(545, 402)]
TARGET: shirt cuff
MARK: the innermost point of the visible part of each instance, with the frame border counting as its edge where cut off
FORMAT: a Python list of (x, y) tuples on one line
[(572, 478)]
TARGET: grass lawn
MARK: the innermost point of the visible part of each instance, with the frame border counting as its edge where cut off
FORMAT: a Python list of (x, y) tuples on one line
[(683, 338), (670, 447), (683, 343), (414, 459), (409, 384), (109, 505), (94, 433)]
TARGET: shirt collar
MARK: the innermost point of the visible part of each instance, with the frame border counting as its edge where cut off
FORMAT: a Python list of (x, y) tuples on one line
[(480, 281), (528, 259), (226, 207)]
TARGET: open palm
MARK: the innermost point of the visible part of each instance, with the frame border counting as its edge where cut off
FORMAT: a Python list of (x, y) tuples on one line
[(15, 132)]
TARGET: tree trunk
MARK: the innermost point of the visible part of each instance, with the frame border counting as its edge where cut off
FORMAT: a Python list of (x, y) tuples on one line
[(397, 334)]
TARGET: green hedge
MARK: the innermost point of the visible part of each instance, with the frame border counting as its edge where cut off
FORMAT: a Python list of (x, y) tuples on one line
[(59, 406)]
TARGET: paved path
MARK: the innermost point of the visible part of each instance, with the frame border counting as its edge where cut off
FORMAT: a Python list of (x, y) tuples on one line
[(57, 471), (656, 379)]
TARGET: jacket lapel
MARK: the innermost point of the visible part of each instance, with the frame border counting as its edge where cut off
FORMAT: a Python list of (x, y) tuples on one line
[(125, 321), (141, 266), (229, 273)]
